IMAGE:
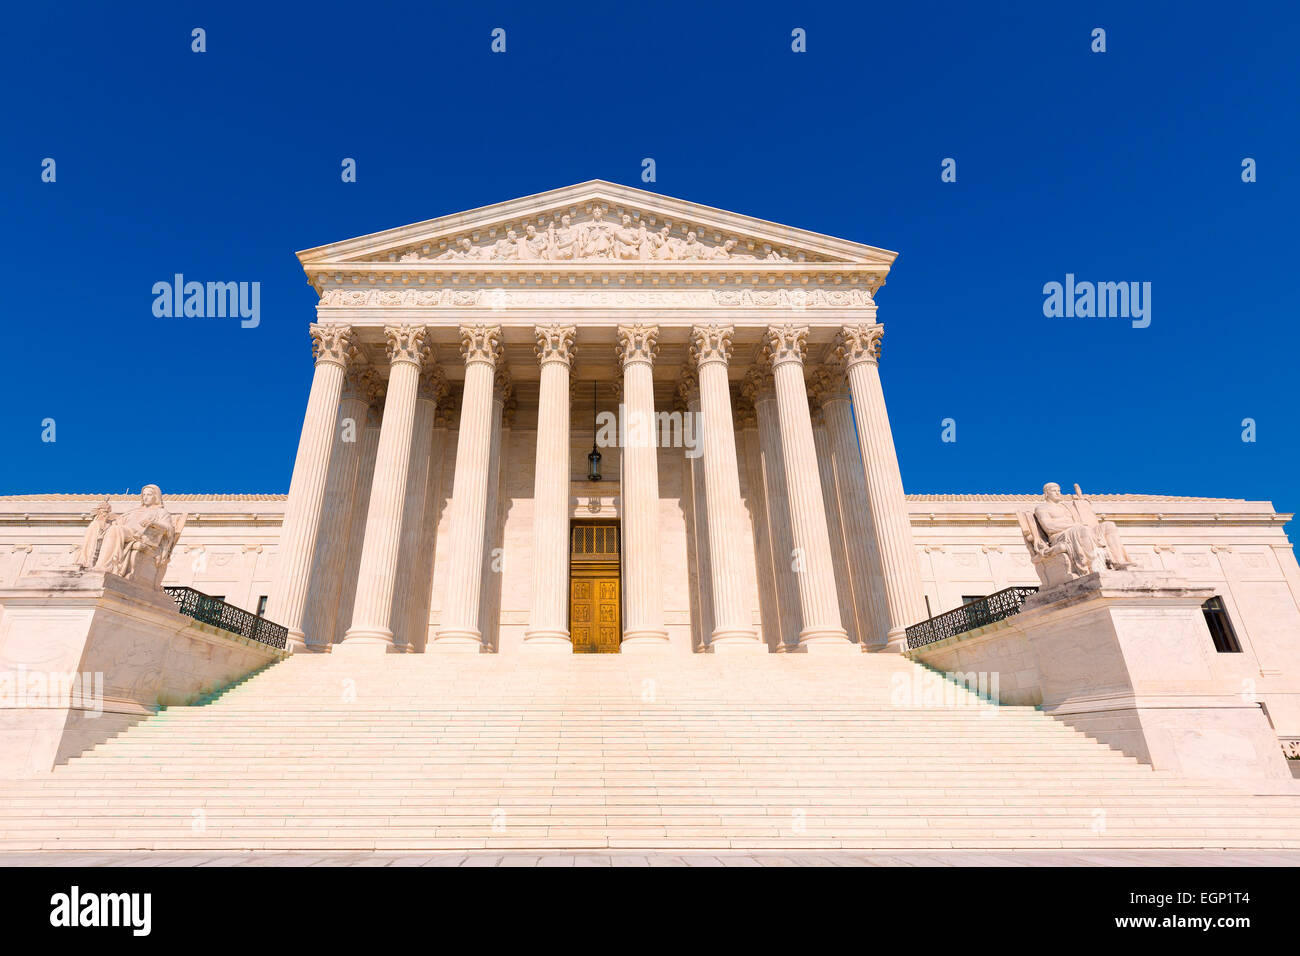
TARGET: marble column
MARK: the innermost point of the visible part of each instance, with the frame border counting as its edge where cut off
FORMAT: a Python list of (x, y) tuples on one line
[(359, 388), (432, 385), (549, 626), (356, 532), (751, 454), (643, 601), (865, 579), (480, 346), (371, 628), (417, 625), (858, 348), (761, 387), (335, 346), (503, 414), (814, 571), (834, 525), (711, 351), (688, 405)]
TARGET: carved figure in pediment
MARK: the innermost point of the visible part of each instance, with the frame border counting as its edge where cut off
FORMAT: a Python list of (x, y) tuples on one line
[(596, 237), (138, 545), (693, 248), (627, 240), (460, 250), (560, 243)]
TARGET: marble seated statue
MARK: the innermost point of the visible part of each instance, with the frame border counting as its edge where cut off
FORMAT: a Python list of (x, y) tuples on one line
[(138, 544), (94, 536), (1067, 540)]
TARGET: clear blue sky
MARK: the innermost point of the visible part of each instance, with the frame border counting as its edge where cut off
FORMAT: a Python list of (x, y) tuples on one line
[(1122, 166)]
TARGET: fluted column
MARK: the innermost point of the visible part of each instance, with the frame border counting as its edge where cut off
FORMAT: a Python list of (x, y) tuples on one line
[(359, 387), (818, 600), (688, 404), (549, 626), (417, 625), (405, 593), (643, 602), (834, 524), (866, 580), (751, 460), (371, 628), (711, 350), (761, 386), (503, 413), (481, 347), (356, 533), (334, 346), (859, 349)]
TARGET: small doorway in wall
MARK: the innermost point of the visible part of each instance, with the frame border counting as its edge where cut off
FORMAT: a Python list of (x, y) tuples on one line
[(595, 602)]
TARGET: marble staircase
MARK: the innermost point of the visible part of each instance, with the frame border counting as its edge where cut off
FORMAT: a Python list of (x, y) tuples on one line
[(411, 752)]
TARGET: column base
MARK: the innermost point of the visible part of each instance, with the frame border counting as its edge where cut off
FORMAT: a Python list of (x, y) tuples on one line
[(827, 642), (456, 641), (296, 642), (736, 642), (312, 647), (644, 642), (367, 642), (546, 641)]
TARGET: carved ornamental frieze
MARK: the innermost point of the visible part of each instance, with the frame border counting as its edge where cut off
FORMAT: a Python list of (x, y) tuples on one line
[(597, 238), (597, 297)]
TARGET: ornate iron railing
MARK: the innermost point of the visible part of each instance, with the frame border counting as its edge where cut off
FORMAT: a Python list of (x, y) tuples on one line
[(218, 613), (986, 610)]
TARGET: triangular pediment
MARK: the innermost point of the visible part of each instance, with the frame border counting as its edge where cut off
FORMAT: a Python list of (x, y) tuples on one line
[(592, 223)]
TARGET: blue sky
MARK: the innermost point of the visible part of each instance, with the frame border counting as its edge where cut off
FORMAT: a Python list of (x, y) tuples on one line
[(1122, 166)]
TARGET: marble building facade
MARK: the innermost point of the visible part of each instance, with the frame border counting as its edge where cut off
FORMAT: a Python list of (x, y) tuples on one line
[(441, 498)]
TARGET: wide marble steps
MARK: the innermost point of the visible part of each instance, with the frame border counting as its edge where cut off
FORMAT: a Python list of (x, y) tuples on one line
[(431, 751)]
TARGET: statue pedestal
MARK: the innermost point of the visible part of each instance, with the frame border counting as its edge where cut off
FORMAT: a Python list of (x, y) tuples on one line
[(86, 654), (1126, 657)]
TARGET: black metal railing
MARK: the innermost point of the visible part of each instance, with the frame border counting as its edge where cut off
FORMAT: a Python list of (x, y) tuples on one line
[(218, 613), (986, 610)]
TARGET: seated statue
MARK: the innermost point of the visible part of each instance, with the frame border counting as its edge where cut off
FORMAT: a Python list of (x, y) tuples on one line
[(89, 550), (1067, 540), (138, 545)]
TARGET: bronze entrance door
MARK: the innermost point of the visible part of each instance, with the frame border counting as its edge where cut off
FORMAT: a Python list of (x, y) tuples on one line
[(595, 606)]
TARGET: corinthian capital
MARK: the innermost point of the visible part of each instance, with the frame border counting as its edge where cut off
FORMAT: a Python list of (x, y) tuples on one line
[(333, 344), (786, 343), (859, 343), (759, 383), (555, 343), (503, 387), (711, 343), (362, 382), (407, 343), (827, 385), (687, 391), (637, 343), (433, 385), (481, 343)]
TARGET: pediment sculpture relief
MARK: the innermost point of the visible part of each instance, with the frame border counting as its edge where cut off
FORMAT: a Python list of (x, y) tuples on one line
[(136, 545), (595, 239), (1066, 539)]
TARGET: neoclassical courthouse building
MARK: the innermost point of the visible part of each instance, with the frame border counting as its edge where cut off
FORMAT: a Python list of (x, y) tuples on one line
[(447, 496)]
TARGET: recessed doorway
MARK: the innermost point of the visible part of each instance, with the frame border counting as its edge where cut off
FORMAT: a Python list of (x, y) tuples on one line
[(595, 605)]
